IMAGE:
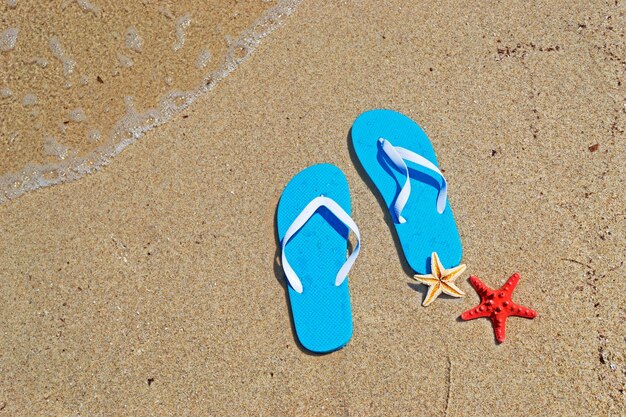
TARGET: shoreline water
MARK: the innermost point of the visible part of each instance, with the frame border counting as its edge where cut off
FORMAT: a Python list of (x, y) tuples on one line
[(134, 124)]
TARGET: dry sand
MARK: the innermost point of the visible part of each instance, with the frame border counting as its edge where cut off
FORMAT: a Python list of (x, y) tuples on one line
[(151, 287)]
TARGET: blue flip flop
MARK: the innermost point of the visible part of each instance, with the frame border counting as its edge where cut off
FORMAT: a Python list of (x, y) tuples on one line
[(313, 219), (400, 160)]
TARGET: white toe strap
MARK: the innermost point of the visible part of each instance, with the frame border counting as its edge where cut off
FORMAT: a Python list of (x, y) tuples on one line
[(398, 155), (301, 220)]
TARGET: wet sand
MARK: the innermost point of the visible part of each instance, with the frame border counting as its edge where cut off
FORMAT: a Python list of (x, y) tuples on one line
[(152, 286), (78, 88)]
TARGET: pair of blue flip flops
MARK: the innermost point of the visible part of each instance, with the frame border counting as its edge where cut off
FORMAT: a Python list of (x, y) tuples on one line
[(314, 222)]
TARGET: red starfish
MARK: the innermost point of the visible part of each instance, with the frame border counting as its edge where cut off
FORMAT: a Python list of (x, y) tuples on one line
[(497, 305)]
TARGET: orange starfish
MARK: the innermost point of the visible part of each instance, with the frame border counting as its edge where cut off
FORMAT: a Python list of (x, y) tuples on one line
[(440, 280), (497, 305)]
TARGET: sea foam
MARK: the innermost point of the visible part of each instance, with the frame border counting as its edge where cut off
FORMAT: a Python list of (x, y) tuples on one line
[(182, 23), (8, 39), (72, 166), (133, 40), (59, 53), (86, 5)]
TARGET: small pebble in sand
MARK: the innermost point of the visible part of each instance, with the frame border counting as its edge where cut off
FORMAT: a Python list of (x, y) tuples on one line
[(78, 115), (8, 39), (204, 57), (11, 4), (29, 100), (133, 40)]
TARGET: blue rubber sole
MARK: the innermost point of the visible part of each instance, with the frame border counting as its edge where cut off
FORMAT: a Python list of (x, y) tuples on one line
[(425, 231), (322, 315)]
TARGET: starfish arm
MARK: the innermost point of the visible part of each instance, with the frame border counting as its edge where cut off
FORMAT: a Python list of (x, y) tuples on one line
[(511, 283), (479, 286), (435, 265), (499, 329), (521, 311), (475, 313), (426, 279), (451, 289), (433, 293), (452, 273)]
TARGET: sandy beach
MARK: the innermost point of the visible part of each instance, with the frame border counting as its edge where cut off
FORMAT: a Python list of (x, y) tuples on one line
[(153, 287)]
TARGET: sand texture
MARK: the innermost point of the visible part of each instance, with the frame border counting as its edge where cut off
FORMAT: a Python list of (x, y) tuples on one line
[(152, 287)]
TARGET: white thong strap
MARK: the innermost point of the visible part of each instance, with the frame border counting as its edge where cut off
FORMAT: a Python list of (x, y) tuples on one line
[(301, 220), (397, 156)]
